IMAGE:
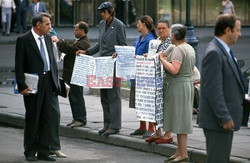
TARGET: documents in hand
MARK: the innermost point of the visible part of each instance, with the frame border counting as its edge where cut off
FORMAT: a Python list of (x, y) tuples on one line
[(93, 72), (31, 80)]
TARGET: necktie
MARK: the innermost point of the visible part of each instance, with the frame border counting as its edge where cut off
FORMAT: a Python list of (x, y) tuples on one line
[(238, 68), (42, 51)]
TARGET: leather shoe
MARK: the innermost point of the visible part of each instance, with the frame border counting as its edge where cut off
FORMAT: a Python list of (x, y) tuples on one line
[(58, 153), (147, 134), (31, 158), (73, 121), (45, 158), (163, 141), (138, 132), (110, 132), (151, 139), (77, 124), (102, 131)]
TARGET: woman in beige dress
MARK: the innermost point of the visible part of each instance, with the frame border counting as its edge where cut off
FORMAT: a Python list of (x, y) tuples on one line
[(178, 90)]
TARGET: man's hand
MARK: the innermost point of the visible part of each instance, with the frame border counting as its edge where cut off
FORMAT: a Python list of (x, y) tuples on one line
[(229, 125), (114, 55), (80, 52), (54, 39), (26, 91)]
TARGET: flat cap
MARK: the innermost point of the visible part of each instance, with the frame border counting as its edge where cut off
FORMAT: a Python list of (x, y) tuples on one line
[(104, 6)]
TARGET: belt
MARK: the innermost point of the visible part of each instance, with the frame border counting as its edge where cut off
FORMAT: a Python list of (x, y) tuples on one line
[(46, 72)]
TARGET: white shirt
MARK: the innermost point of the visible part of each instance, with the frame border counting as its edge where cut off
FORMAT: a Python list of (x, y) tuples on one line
[(36, 36), (8, 4), (36, 8)]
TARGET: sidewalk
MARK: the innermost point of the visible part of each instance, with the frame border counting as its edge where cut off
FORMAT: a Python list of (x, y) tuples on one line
[(132, 33), (12, 113)]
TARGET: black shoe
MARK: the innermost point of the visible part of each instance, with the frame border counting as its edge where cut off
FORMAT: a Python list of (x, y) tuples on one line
[(138, 132), (110, 132), (8, 34), (31, 158), (102, 131), (3, 33), (17, 32), (45, 158)]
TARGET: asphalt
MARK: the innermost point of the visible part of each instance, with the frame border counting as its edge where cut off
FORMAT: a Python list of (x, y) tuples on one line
[(12, 112)]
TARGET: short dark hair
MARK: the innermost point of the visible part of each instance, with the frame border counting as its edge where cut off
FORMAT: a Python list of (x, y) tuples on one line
[(83, 25), (39, 18), (164, 21), (179, 31), (224, 21)]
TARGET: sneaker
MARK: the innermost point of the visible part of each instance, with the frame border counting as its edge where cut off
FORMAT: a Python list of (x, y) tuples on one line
[(138, 132)]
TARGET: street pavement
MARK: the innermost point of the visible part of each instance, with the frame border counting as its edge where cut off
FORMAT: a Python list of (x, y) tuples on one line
[(12, 111)]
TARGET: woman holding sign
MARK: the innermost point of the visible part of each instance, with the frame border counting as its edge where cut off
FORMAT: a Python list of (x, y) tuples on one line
[(146, 28), (178, 90)]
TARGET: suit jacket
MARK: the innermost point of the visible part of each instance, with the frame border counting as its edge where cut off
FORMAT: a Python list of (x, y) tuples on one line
[(222, 92), (70, 48), (41, 8), (22, 6), (29, 60), (114, 35)]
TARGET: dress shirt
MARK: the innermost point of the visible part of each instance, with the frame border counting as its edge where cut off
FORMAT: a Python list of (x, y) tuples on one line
[(8, 4), (36, 36)]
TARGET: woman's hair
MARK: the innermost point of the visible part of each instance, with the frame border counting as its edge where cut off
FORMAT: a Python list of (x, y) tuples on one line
[(222, 22), (164, 21), (149, 24), (178, 31)]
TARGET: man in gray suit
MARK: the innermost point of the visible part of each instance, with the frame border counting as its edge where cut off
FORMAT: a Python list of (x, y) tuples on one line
[(222, 90), (112, 32)]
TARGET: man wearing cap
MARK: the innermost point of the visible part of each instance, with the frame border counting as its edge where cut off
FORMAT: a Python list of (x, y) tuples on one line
[(111, 32)]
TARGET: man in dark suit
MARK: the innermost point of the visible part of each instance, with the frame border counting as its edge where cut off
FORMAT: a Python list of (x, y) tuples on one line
[(222, 90), (22, 7), (112, 32), (34, 55), (76, 99)]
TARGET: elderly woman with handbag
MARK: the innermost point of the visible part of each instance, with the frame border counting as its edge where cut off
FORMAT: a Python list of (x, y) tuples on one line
[(178, 90)]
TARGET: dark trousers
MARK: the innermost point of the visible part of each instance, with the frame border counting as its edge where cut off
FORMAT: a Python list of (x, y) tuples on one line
[(55, 138), (111, 105), (39, 117), (218, 145), (21, 20), (246, 110), (77, 103)]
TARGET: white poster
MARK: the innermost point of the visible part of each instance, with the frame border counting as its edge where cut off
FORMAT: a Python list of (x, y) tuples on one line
[(125, 62), (153, 47), (149, 91), (93, 72)]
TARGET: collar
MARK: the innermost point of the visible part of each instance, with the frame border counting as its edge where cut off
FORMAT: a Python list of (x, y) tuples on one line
[(36, 36), (225, 46)]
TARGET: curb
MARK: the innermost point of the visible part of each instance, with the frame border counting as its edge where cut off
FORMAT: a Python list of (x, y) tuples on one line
[(195, 155)]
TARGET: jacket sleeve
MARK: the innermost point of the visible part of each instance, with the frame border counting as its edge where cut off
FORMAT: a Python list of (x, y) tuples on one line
[(70, 48), (122, 35), (213, 68), (19, 65)]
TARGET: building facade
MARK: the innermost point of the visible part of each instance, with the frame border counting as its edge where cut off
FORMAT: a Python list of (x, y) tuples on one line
[(203, 12)]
